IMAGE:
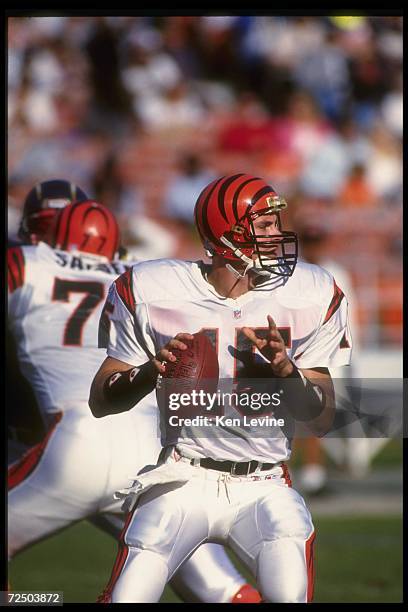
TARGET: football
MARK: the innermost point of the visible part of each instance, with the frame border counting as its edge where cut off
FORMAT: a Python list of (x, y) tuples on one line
[(196, 369)]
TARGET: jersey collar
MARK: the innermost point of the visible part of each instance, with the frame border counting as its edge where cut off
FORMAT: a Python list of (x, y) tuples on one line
[(207, 288)]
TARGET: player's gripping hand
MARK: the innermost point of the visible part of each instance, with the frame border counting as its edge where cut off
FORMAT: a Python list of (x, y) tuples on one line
[(166, 355), (115, 390), (272, 348)]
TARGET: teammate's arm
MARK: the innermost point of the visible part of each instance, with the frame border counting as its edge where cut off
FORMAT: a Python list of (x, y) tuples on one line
[(118, 386)]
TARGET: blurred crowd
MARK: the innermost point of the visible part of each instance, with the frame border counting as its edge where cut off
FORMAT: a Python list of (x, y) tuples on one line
[(142, 112)]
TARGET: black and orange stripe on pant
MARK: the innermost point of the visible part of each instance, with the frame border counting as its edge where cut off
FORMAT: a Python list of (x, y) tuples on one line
[(22, 468), (120, 561)]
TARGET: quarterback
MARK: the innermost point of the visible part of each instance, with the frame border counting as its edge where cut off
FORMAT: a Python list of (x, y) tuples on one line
[(57, 287), (265, 310)]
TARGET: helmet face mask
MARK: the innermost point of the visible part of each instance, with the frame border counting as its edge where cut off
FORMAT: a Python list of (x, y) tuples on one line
[(38, 226), (274, 254), (226, 212)]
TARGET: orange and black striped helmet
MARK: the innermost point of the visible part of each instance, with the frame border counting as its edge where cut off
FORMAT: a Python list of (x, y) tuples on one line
[(224, 213), (88, 227)]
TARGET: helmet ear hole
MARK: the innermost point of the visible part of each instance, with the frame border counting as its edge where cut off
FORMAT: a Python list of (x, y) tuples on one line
[(238, 229)]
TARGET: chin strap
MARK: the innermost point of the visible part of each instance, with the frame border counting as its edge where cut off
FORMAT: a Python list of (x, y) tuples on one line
[(251, 265), (236, 272), (249, 268), (238, 253)]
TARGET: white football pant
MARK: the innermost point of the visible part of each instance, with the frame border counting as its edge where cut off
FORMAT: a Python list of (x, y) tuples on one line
[(263, 520)]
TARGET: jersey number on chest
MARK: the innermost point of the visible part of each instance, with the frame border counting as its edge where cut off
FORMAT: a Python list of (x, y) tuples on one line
[(247, 363)]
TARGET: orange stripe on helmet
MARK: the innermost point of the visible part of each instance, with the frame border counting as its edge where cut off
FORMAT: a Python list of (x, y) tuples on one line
[(90, 227), (203, 225), (222, 191)]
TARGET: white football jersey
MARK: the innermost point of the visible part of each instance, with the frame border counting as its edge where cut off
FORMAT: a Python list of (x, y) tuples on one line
[(153, 301), (54, 306)]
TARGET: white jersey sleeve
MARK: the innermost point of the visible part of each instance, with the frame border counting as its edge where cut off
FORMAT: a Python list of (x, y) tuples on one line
[(331, 344), (124, 328)]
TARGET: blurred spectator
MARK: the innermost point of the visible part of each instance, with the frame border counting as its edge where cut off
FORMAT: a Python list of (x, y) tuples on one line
[(324, 72), (177, 107), (216, 45), (304, 128), (249, 127), (392, 109), (53, 71), (161, 98), (179, 41), (45, 69), (79, 154), (146, 70), (356, 191), (327, 168), (143, 237), (370, 82), (147, 239), (384, 163), (37, 109), (185, 187), (269, 50), (112, 102)]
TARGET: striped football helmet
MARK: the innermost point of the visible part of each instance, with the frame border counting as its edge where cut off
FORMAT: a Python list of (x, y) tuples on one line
[(225, 212), (88, 227)]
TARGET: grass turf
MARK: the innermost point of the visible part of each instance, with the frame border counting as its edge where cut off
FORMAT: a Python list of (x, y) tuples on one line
[(357, 560)]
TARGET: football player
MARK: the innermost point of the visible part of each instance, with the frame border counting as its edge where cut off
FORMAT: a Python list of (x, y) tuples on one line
[(57, 288), (24, 423), (229, 483)]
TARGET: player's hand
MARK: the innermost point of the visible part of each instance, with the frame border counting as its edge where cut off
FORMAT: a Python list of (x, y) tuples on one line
[(165, 354), (272, 348)]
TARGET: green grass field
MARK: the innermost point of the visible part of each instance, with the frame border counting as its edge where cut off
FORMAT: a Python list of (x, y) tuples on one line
[(357, 560)]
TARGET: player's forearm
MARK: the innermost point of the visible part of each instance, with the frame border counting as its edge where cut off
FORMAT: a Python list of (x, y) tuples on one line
[(320, 377), (119, 391), (309, 398), (97, 402)]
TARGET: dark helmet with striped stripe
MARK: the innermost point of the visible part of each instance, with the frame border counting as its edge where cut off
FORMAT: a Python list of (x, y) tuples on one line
[(225, 212), (88, 227), (41, 205)]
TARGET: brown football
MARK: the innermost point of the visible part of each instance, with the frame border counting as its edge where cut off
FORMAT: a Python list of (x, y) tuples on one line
[(196, 369)]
